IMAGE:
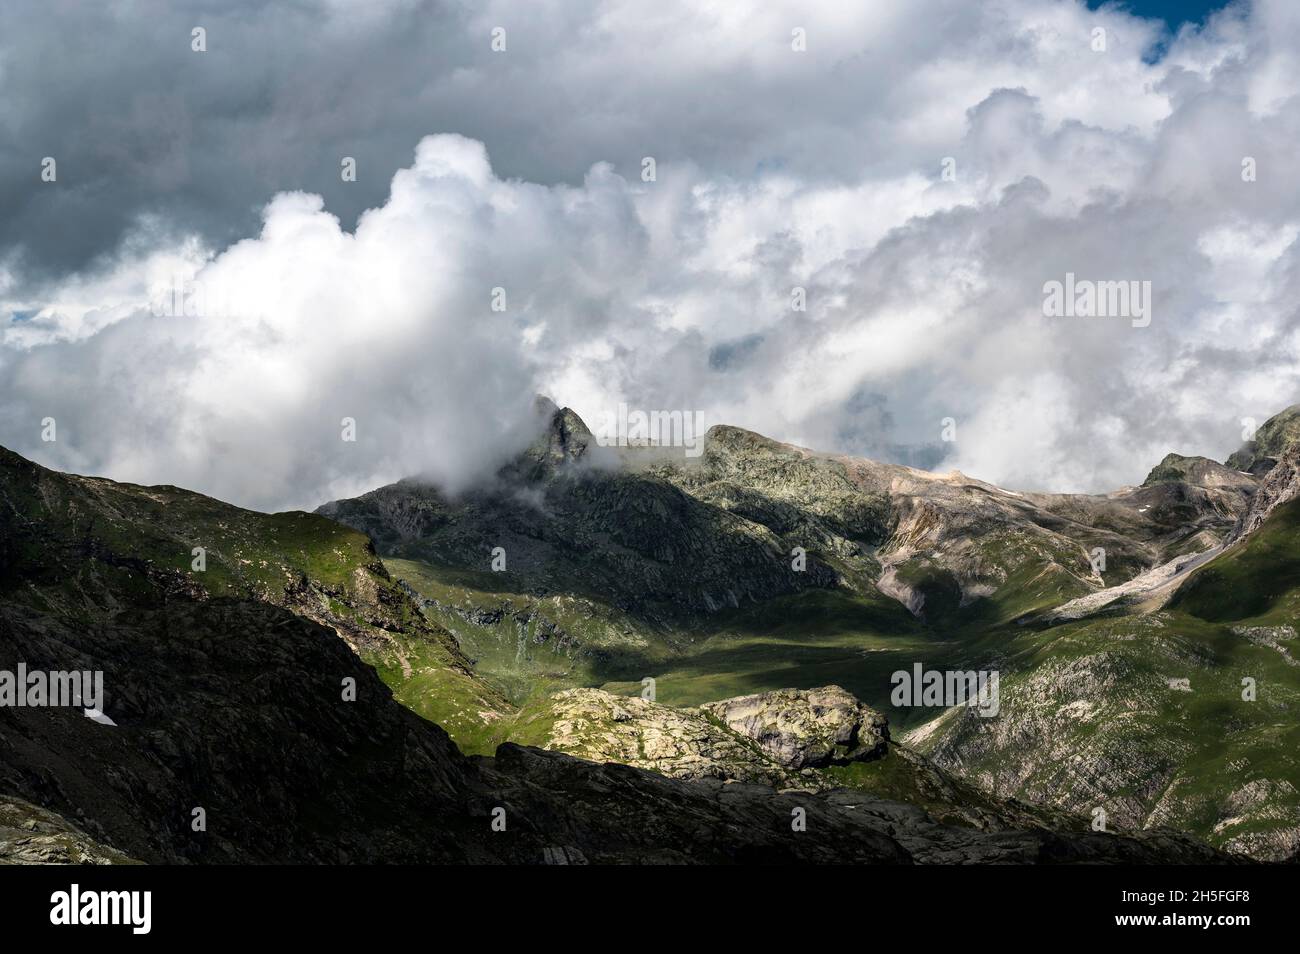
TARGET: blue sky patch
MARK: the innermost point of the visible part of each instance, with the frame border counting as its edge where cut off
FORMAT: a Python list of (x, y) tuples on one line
[(1173, 12)]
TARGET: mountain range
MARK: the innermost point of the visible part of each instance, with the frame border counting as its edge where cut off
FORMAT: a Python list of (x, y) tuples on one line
[(629, 654)]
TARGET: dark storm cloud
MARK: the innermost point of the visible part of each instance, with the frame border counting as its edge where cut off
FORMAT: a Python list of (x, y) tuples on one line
[(140, 124)]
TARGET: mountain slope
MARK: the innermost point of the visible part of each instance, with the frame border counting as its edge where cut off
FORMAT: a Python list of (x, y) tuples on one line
[(1182, 715), (1274, 438), (76, 543), (248, 731), (911, 567), (33, 836), (758, 565)]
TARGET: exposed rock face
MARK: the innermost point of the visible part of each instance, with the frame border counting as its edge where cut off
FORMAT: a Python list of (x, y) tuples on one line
[(1272, 440), (1280, 484), (1275, 638), (564, 439), (1264, 798), (681, 743), (1198, 472), (807, 728), (772, 737), (33, 836)]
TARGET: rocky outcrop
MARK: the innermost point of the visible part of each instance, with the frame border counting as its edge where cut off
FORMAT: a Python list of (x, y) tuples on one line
[(774, 738), (681, 743), (1275, 638), (1280, 484), (1272, 440), (1199, 472), (808, 728), (30, 835)]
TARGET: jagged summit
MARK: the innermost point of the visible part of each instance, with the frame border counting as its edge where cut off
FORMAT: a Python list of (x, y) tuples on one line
[(563, 438)]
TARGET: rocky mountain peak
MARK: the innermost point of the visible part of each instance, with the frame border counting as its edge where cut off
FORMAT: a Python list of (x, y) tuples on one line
[(1197, 471), (1273, 438), (563, 438)]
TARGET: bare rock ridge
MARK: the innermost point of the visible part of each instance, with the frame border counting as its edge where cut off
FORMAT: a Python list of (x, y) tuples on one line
[(668, 539), (1273, 461), (1280, 485), (1197, 471)]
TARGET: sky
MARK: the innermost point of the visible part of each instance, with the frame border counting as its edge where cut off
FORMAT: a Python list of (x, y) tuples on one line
[(1173, 12), (202, 296)]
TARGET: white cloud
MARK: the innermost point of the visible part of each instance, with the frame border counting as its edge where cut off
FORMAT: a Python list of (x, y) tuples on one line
[(924, 296)]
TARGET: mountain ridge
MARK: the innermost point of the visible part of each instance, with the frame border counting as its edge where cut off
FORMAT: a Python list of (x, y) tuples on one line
[(246, 731), (901, 565)]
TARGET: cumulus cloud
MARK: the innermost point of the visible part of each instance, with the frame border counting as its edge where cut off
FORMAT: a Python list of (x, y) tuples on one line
[(240, 374), (821, 170)]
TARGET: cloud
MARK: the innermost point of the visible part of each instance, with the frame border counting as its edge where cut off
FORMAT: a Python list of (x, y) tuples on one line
[(819, 170), (240, 375), (285, 91)]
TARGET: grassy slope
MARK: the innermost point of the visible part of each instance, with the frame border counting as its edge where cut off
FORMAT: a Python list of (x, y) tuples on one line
[(799, 641), (1093, 720), (1258, 581), (1095, 691), (524, 644), (1197, 749), (124, 534)]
